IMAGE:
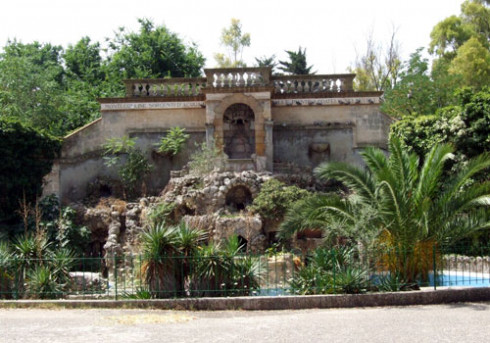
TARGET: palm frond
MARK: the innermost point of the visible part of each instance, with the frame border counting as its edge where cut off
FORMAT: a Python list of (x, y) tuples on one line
[(358, 180)]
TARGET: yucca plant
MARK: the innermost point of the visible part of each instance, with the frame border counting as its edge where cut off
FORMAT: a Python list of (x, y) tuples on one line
[(246, 275), (30, 251), (62, 261), (41, 283), (220, 270), (410, 205), (159, 266), (168, 253), (212, 271)]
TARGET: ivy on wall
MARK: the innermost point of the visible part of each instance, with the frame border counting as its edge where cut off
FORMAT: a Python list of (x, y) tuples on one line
[(26, 156)]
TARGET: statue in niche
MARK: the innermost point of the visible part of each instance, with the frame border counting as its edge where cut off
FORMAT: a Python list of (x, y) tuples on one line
[(239, 134)]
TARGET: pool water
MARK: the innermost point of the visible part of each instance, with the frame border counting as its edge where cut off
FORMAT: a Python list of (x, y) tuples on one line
[(461, 279)]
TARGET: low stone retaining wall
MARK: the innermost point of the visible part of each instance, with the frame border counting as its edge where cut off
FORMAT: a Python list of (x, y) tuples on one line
[(424, 297)]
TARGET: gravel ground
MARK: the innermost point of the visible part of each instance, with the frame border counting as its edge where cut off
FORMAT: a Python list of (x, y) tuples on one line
[(469, 322)]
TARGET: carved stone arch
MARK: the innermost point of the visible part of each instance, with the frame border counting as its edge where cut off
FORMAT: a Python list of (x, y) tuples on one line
[(258, 113)]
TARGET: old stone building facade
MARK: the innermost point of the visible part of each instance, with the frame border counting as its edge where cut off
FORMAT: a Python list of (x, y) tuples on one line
[(262, 122)]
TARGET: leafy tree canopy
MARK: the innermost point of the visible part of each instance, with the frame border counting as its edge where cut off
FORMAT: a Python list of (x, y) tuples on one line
[(462, 43), (235, 41), (465, 126), (153, 52), (56, 90)]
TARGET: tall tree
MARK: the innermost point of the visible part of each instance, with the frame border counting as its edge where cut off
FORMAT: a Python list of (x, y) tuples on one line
[(461, 44), (297, 64), (153, 52), (32, 85), (265, 61), (235, 41), (466, 126), (418, 90), (27, 156), (379, 67)]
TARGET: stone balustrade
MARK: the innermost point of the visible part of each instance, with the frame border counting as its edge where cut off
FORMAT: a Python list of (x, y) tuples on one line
[(237, 77), (226, 78), (293, 84), (177, 87)]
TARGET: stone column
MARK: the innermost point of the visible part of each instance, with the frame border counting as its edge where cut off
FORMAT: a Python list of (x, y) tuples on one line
[(269, 144)]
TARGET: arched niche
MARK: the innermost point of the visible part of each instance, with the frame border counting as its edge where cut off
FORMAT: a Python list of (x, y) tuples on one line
[(239, 131), (238, 198)]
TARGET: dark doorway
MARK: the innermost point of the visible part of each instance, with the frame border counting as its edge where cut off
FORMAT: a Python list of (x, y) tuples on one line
[(238, 198)]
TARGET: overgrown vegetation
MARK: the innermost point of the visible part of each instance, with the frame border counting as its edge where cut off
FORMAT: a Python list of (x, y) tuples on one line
[(410, 207), (173, 142), (330, 271), (275, 198), (177, 261), (206, 159), (27, 156), (133, 166)]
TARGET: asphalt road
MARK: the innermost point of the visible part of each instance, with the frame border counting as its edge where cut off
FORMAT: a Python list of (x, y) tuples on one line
[(468, 322)]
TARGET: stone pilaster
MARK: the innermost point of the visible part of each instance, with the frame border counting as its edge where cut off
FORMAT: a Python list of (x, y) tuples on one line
[(210, 135), (269, 144)]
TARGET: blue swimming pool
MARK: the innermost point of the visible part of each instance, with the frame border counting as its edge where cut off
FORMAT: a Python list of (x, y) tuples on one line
[(461, 279)]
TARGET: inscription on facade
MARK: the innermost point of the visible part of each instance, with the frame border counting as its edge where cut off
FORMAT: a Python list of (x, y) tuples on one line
[(152, 105), (324, 102)]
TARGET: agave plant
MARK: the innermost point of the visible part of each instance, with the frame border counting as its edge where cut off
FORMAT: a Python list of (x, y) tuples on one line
[(331, 271), (411, 206)]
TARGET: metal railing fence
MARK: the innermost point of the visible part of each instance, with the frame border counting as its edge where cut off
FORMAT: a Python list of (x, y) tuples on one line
[(323, 271)]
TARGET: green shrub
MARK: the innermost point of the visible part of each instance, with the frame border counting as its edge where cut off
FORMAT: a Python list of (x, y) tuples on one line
[(173, 142), (275, 198), (7, 270), (331, 271), (141, 293)]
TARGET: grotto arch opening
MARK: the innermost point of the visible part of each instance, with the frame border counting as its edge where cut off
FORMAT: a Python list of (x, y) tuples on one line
[(238, 198)]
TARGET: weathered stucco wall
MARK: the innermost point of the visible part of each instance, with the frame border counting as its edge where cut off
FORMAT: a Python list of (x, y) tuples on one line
[(308, 135), (288, 130), (81, 160)]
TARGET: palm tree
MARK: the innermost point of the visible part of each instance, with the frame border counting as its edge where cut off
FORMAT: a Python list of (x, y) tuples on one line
[(401, 203)]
